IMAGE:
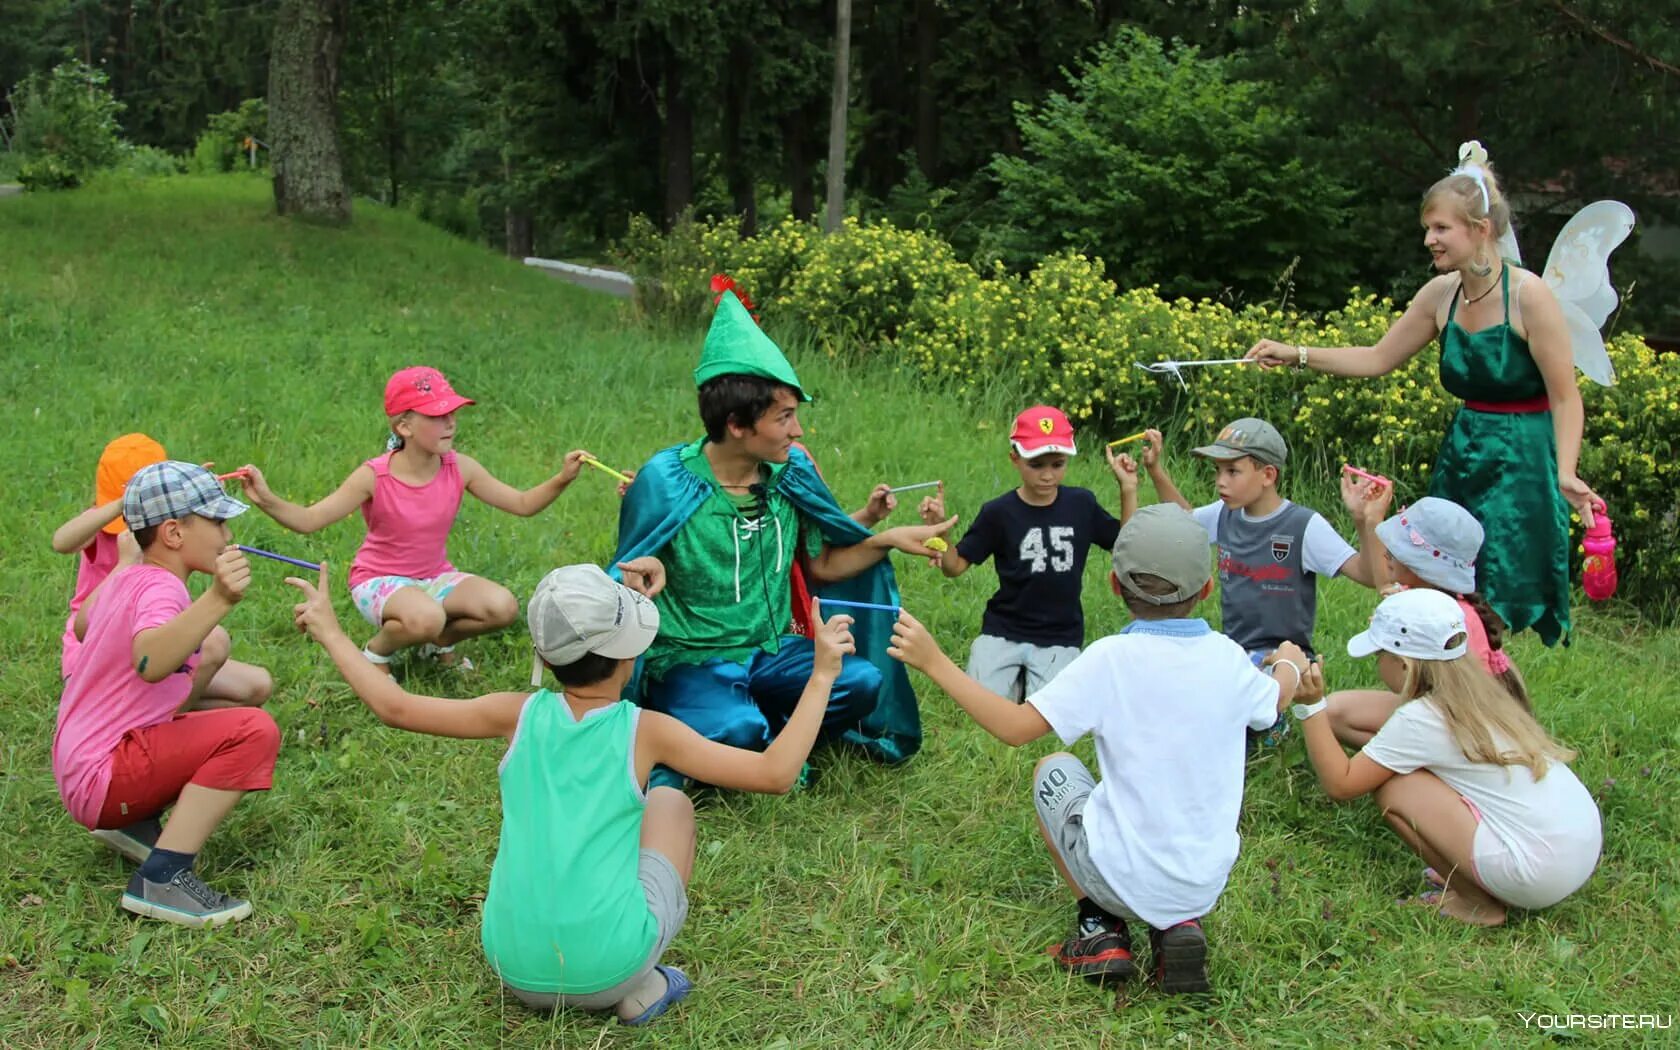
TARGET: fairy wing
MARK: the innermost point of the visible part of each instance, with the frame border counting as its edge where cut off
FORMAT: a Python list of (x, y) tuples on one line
[(1578, 272)]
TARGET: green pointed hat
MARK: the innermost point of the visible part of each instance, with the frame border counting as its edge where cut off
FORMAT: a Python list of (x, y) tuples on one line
[(735, 345)]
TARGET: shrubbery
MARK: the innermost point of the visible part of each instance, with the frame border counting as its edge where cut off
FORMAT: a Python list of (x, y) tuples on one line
[(221, 145), (65, 126), (1065, 333)]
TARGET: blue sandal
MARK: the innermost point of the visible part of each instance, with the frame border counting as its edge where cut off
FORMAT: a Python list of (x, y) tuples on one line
[(677, 987)]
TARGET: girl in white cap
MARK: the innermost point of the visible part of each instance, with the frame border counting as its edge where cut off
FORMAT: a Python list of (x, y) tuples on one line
[(1434, 543), (1463, 773)]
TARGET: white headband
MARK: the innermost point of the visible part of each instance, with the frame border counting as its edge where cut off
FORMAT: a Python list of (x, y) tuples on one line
[(1475, 173)]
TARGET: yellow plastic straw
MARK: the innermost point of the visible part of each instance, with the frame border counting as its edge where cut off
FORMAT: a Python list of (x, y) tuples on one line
[(598, 465), (1128, 440)]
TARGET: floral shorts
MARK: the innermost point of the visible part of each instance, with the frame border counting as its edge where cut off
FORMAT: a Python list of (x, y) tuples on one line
[(370, 596)]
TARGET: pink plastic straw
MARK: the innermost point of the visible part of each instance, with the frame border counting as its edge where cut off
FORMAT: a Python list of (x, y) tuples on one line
[(240, 473), (1356, 472)]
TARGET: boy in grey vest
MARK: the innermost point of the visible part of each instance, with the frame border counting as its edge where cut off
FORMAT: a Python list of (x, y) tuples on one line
[(1271, 550)]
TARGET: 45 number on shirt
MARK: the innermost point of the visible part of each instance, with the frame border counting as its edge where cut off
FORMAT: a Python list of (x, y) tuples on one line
[(1058, 556)]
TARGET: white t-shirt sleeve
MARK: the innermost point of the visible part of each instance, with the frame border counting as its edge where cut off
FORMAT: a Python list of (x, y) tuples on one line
[(1323, 551), (1069, 700), (1410, 740), (1259, 694), (1208, 518)]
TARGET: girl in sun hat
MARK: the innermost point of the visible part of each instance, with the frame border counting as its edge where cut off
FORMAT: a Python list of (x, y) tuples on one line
[(1433, 544), (102, 539), (401, 579), (1462, 772)]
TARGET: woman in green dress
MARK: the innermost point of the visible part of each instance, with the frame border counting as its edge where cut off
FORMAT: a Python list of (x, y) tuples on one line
[(1510, 455)]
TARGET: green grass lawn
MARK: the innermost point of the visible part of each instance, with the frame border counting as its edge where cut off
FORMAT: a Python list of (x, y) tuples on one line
[(905, 907)]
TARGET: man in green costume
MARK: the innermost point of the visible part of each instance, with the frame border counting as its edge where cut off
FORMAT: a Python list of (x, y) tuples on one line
[(710, 530)]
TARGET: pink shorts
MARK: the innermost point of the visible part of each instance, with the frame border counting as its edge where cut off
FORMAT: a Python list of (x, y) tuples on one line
[(371, 595)]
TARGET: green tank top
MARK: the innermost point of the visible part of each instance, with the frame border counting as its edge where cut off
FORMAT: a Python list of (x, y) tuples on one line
[(565, 912)]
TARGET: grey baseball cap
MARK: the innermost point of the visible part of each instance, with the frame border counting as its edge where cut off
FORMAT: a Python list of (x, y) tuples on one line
[(1165, 541), (578, 609), (1437, 539), (1248, 437)]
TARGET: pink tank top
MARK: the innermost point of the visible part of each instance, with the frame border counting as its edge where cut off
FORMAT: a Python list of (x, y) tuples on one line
[(93, 564), (408, 525)]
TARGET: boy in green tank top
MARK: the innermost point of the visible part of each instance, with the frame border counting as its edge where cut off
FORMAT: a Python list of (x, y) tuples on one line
[(576, 811)]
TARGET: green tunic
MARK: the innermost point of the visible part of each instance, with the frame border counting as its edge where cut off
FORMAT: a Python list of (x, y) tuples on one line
[(1502, 467)]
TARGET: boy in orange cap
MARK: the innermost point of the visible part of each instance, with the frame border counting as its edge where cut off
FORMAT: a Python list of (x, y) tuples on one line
[(104, 542)]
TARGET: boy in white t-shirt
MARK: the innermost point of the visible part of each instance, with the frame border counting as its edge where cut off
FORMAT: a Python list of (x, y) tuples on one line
[(1155, 839)]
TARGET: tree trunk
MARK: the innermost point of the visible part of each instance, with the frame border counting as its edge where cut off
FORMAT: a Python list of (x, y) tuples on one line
[(519, 238), (802, 195), (679, 141), (836, 210), (735, 169), (304, 143), (927, 99)]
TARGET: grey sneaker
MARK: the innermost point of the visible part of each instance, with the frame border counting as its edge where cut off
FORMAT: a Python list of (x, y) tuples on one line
[(184, 900), (134, 841)]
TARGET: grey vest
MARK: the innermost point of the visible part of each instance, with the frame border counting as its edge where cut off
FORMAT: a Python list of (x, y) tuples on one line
[(1266, 596)]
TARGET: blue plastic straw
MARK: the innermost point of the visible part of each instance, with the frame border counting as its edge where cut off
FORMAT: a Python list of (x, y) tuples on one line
[(856, 605), (278, 557)]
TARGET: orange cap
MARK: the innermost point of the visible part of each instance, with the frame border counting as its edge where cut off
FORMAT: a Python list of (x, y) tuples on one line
[(120, 461)]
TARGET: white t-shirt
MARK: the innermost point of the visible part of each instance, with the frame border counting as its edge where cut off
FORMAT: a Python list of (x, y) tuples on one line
[(1168, 702), (1323, 551), (1534, 819)]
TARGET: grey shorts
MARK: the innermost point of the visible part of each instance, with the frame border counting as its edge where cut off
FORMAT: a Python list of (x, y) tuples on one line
[(1060, 790), (1016, 670), (667, 900)]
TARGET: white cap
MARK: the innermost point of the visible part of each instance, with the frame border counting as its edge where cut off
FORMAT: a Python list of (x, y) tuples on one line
[(578, 609), (1420, 623)]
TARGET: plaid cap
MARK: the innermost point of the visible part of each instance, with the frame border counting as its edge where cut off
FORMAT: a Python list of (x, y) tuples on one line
[(173, 489)]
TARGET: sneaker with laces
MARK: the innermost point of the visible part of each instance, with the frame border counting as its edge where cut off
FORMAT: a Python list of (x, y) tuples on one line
[(1181, 958), (134, 841), (1097, 950), (184, 900)]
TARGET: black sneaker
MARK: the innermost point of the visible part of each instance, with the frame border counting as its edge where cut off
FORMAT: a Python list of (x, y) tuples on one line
[(1181, 958), (1097, 950), (134, 841), (184, 900)]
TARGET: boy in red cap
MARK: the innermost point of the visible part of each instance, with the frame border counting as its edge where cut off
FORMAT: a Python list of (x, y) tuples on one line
[(102, 539), (401, 578), (1039, 533)]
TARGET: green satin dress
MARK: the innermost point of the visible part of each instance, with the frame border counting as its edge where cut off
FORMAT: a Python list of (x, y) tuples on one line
[(1502, 467)]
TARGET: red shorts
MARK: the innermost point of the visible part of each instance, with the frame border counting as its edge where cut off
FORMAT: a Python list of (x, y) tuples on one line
[(229, 749)]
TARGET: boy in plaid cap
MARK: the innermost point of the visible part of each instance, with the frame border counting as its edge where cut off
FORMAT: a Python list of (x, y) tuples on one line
[(126, 746), (1038, 535), (99, 535)]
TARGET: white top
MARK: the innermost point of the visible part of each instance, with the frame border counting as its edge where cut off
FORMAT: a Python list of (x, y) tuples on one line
[(1534, 819), (1167, 702), (1323, 551)]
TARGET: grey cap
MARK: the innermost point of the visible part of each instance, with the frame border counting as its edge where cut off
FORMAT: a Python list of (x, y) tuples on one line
[(1248, 437), (173, 489), (1437, 539), (578, 609), (1165, 541)]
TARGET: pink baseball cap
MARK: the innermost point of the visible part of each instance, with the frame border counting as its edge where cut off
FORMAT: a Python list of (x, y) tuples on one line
[(1041, 430), (423, 390)]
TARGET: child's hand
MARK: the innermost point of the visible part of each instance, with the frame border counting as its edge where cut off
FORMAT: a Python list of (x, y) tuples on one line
[(1151, 448), (232, 575), (128, 549), (912, 539), (644, 575), (912, 644), (833, 640), (882, 502), (315, 613), (624, 486), (1125, 469), (1366, 501), (254, 485), (572, 465), (932, 508), (1312, 683), (1289, 653)]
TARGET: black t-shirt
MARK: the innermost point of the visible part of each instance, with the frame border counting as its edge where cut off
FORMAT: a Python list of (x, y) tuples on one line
[(1040, 554)]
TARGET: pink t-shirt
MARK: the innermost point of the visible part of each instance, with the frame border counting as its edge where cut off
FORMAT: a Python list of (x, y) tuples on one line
[(94, 563), (106, 697), (1478, 639), (408, 525)]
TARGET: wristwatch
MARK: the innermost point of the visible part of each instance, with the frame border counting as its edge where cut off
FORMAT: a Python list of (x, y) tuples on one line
[(1301, 354), (1302, 712)]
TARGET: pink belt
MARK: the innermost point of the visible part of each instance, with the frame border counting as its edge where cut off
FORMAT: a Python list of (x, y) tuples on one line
[(1511, 408)]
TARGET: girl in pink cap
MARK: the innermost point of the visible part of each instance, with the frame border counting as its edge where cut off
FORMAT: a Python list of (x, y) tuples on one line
[(401, 578)]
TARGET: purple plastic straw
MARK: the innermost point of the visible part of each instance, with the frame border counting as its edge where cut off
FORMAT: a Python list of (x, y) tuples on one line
[(278, 557)]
